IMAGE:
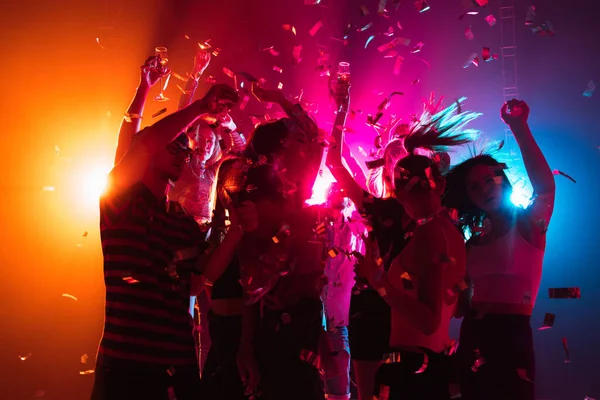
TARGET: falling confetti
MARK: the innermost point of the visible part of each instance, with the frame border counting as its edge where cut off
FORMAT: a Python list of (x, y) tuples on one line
[(108, 114), (364, 11), (364, 28), (491, 20), (296, 53), (590, 89), (100, 44), (313, 31), (469, 33), (130, 117), (417, 48), (277, 69), (390, 32), (244, 102), (85, 234), (187, 37), (156, 114), (70, 296), (564, 293), (48, 188), (86, 372), (473, 59), (530, 17), (280, 86), (557, 172), (369, 40), (479, 361), (421, 5), (23, 358), (548, 322), (228, 72), (486, 55)]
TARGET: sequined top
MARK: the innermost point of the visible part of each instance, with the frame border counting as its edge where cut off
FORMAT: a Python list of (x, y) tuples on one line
[(193, 190)]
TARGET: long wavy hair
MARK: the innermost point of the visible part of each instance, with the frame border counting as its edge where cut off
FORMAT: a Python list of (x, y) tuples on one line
[(456, 196), (431, 135)]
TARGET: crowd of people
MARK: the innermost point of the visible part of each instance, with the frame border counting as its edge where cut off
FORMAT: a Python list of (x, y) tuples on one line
[(222, 283)]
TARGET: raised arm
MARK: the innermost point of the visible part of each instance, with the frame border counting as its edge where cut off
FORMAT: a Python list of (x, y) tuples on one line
[(156, 137), (340, 151), (201, 61), (515, 114), (150, 75)]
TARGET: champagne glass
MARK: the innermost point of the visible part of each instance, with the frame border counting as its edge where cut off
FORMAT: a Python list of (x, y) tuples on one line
[(163, 59), (343, 73)]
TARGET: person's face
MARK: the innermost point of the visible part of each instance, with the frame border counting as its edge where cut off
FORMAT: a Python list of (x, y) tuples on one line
[(419, 199), (204, 145), (222, 110), (484, 188), (170, 161)]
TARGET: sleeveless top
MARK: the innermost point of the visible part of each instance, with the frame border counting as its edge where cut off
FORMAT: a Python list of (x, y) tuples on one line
[(193, 191), (404, 331), (507, 270)]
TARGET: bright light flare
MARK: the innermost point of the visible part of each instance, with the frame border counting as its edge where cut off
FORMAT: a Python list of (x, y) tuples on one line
[(321, 188), (92, 183)]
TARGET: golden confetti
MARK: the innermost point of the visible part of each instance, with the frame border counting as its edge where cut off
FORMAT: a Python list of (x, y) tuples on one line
[(86, 372), (280, 86), (48, 188), (85, 234), (159, 112), (294, 30), (23, 358), (186, 36), (70, 296), (99, 44), (108, 114), (216, 52), (84, 359)]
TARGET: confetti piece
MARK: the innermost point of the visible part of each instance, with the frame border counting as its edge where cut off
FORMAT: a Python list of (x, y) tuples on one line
[(590, 89), (313, 31), (557, 172), (277, 69), (364, 28), (244, 102), (130, 280), (473, 59), (390, 32), (421, 5), (469, 33), (564, 293), (70, 296), (228, 72), (417, 48), (566, 347), (424, 365), (48, 188), (333, 253), (479, 361), (280, 86), (548, 322), (362, 151), (84, 359), (171, 371), (491, 20), (99, 44), (543, 29), (273, 52), (86, 372), (369, 40), (159, 112), (523, 374), (382, 292), (23, 358), (186, 36), (130, 117), (108, 114), (487, 56), (588, 398), (415, 81), (530, 17), (216, 52), (311, 2), (296, 53), (364, 11), (393, 43), (391, 54), (397, 65), (381, 8)]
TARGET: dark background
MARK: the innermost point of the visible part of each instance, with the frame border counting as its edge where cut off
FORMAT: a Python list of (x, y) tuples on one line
[(61, 88)]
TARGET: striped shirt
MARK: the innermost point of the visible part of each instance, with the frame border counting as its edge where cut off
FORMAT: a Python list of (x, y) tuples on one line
[(147, 294)]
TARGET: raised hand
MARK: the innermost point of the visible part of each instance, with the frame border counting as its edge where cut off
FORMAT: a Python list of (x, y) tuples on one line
[(151, 72), (514, 112), (201, 61)]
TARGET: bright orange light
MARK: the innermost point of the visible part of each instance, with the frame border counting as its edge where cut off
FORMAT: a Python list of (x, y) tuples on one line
[(92, 183)]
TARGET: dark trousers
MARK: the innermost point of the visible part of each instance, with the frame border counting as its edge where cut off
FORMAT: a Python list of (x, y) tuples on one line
[(402, 381), (220, 377), (132, 383), (504, 345), (369, 327), (286, 342)]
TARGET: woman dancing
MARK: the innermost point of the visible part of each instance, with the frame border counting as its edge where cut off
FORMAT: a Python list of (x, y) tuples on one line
[(504, 264)]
